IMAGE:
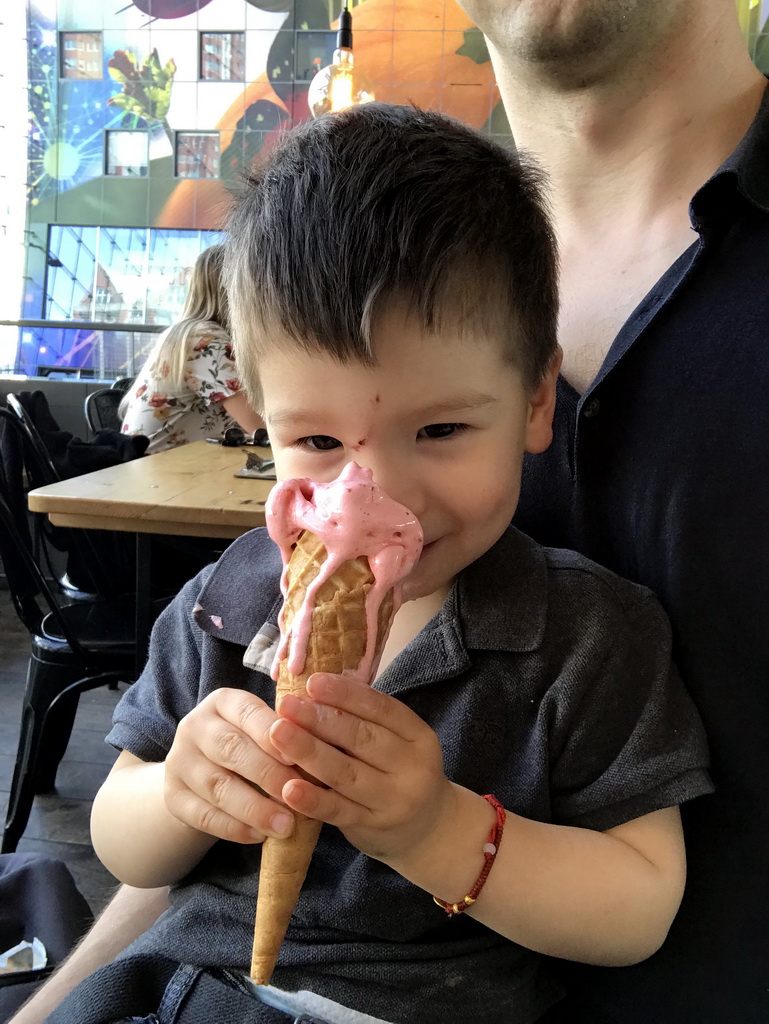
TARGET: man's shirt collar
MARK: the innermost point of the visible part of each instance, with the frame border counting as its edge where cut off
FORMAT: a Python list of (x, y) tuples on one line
[(745, 168)]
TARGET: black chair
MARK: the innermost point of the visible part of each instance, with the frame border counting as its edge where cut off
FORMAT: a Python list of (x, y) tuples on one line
[(38, 466), (101, 409), (38, 470), (75, 647), (122, 384)]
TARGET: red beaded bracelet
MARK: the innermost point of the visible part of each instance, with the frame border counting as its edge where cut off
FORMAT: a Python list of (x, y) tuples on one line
[(490, 851)]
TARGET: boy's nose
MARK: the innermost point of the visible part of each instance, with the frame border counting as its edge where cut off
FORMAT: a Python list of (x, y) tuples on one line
[(395, 480)]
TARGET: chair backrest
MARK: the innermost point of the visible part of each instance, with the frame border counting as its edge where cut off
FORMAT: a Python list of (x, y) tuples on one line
[(41, 471), (38, 462), (26, 579), (12, 490), (122, 384), (101, 409)]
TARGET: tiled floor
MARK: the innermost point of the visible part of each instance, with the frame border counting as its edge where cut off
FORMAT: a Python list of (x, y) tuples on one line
[(59, 821)]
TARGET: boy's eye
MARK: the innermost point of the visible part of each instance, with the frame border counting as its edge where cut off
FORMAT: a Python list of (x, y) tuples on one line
[(320, 442), (439, 430)]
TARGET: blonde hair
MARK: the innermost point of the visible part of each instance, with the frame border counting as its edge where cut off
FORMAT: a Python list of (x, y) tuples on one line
[(206, 302)]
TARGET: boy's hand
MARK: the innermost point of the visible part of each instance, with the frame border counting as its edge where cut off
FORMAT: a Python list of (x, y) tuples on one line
[(223, 776), (382, 764)]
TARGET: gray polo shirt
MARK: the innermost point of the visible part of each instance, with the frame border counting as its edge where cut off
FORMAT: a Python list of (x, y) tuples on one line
[(549, 683)]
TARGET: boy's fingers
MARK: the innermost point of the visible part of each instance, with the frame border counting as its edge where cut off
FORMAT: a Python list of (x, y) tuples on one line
[(262, 818), (346, 775), (248, 713), (321, 804), (370, 743), (239, 754), (367, 703), (235, 754), (229, 794)]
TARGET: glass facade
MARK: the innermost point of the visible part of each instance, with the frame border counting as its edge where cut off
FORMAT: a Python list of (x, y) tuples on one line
[(125, 276)]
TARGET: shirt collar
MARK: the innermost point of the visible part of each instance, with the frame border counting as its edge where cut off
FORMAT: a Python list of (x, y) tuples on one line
[(242, 591), (745, 168), (498, 603), (501, 599)]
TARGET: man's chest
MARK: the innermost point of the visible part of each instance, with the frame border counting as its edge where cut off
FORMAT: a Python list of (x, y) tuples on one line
[(600, 287)]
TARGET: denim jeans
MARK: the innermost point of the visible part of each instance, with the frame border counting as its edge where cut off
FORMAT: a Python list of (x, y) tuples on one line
[(194, 995), (152, 990)]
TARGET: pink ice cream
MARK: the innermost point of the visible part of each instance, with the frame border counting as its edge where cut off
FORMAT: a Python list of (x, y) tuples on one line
[(352, 516)]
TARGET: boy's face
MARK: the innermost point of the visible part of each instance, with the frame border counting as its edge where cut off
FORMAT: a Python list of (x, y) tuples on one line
[(442, 422)]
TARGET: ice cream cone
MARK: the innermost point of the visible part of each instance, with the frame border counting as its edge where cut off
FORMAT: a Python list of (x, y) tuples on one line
[(336, 643), (346, 548)]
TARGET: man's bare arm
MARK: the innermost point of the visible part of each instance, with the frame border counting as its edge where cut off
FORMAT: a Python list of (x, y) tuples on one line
[(130, 912)]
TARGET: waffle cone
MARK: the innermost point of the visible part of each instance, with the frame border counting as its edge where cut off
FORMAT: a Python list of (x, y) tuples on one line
[(337, 644)]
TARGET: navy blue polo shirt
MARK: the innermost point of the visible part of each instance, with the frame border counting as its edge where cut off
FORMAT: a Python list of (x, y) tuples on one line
[(548, 681), (660, 471)]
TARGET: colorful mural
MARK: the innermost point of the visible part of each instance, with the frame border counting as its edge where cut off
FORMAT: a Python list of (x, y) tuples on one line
[(144, 116)]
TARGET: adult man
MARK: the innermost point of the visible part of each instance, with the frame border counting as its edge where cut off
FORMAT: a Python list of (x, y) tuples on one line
[(660, 461), (659, 467)]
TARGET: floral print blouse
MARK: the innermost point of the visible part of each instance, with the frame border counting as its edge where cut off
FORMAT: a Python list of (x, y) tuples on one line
[(170, 418)]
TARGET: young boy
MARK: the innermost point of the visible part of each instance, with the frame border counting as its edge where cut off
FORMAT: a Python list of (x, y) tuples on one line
[(392, 282)]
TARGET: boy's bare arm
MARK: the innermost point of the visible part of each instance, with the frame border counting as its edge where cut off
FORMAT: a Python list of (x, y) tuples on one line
[(130, 912), (604, 898), (597, 897), (152, 822), (134, 835)]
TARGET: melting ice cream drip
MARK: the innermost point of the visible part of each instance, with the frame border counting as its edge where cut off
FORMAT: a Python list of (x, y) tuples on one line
[(351, 516)]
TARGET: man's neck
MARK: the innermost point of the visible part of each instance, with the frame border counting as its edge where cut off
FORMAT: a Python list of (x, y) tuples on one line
[(625, 147), (645, 139)]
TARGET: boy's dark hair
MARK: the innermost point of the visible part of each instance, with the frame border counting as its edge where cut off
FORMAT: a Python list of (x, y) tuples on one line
[(383, 203)]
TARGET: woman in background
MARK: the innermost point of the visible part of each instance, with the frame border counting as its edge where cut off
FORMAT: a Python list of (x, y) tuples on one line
[(189, 389)]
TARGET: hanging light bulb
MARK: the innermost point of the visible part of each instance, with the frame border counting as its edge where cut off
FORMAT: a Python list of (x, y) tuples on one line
[(340, 84)]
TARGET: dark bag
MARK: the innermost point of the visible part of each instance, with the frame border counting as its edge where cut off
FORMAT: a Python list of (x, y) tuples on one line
[(38, 899)]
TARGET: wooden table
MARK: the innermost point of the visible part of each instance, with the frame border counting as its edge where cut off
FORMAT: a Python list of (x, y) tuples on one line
[(185, 492)]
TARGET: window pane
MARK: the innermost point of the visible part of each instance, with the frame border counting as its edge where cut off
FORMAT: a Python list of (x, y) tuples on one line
[(314, 50), (172, 256), (69, 287), (197, 154), (128, 154), (223, 56), (120, 286), (81, 55)]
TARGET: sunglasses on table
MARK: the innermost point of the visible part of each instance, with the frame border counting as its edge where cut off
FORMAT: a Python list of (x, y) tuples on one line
[(235, 437)]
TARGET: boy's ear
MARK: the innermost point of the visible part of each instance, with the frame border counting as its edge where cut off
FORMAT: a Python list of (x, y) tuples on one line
[(539, 427)]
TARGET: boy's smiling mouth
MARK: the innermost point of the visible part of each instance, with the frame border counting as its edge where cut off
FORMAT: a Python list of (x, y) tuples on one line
[(427, 548)]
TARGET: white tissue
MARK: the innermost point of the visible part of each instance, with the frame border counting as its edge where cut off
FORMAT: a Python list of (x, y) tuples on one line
[(26, 956)]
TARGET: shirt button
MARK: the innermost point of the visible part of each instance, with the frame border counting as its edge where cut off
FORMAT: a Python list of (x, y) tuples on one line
[(592, 408)]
